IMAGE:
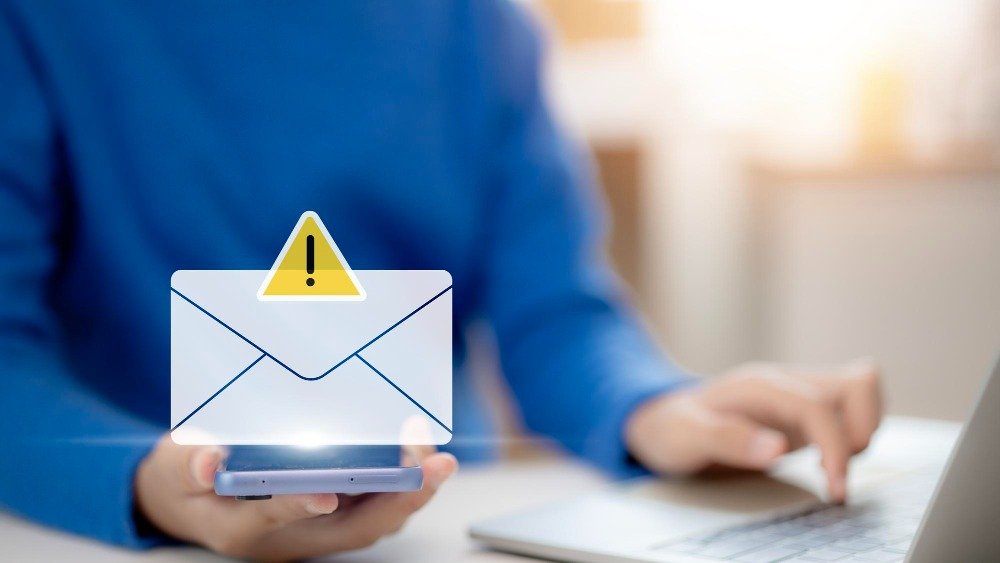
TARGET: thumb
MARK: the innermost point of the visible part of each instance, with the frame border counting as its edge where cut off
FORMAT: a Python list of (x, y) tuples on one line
[(740, 442), (197, 466)]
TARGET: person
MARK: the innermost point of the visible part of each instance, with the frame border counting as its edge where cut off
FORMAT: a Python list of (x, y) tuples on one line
[(140, 138)]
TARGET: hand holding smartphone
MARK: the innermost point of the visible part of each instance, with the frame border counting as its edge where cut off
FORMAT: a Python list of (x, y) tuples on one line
[(175, 495)]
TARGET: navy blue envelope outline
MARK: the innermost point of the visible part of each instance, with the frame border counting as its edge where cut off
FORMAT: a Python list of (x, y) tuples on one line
[(356, 354)]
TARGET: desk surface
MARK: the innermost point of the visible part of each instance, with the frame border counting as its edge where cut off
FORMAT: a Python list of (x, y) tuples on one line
[(438, 532)]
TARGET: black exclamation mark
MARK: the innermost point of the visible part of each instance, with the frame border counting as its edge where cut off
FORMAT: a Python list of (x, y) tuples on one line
[(310, 259)]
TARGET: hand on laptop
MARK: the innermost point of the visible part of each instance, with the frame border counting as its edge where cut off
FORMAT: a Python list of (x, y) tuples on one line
[(756, 412), (173, 490)]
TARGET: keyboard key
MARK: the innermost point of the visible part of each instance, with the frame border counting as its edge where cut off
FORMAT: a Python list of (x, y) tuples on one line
[(730, 547), (711, 536), (768, 554), (756, 526), (812, 540), (892, 535), (880, 555), (683, 547), (764, 537), (842, 531), (871, 521), (856, 545), (824, 554), (790, 529), (819, 520)]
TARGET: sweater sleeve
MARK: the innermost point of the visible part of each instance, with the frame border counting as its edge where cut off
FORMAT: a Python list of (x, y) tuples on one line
[(69, 456), (571, 348)]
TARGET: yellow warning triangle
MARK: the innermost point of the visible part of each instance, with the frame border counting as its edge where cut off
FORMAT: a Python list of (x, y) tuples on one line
[(310, 267)]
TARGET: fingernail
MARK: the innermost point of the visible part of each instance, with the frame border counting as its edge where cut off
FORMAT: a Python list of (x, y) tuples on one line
[(766, 446), (209, 457), (318, 510)]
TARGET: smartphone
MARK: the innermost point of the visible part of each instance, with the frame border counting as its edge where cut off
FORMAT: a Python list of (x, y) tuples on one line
[(257, 472)]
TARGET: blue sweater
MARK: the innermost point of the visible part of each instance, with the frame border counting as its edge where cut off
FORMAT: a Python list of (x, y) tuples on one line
[(139, 138)]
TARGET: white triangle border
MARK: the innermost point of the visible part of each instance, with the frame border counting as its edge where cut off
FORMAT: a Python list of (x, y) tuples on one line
[(336, 250)]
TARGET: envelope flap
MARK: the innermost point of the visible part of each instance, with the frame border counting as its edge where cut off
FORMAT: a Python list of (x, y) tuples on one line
[(309, 337)]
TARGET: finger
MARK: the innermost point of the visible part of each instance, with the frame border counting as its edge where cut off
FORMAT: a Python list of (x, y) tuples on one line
[(822, 424), (415, 454), (238, 528), (416, 435), (857, 389), (282, 510), (377, 516), (202, 467), (862, 403), (391, 509), (739, 442), (807, 407), (190, 468)]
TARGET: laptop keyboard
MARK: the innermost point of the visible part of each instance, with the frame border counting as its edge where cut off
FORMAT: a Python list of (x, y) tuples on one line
[(879, 529)]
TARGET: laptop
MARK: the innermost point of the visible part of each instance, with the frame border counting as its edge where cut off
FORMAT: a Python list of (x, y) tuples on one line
[(919, 514)]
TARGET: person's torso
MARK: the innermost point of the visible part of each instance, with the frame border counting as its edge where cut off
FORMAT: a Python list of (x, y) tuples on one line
[(193, 135)]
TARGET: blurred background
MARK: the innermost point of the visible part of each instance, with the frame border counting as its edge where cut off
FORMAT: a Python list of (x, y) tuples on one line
[(798, 181)]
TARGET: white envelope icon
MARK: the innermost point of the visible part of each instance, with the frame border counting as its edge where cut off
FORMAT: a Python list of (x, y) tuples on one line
[(245, 371)]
